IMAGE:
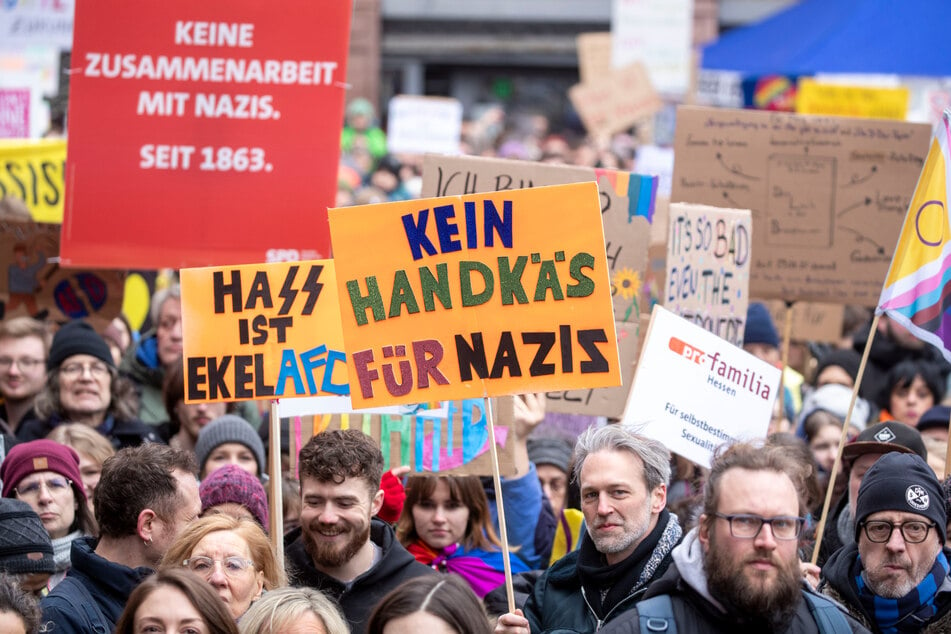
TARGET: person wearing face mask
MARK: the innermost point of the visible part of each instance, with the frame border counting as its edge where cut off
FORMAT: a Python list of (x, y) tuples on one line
[(229, 439)]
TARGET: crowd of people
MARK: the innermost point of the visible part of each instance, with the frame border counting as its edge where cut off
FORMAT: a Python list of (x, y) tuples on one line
[(126, 509)]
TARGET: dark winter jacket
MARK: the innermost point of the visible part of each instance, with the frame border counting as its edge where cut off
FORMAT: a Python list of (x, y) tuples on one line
[(358, 598), (68, 609), (838, 584), (562, 600), (695, 609), (121, 433)]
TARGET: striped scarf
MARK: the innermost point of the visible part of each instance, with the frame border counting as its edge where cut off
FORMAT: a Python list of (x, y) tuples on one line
[(910, 612)]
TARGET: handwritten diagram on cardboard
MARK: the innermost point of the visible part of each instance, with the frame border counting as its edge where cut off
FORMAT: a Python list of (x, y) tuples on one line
[(828, 195)]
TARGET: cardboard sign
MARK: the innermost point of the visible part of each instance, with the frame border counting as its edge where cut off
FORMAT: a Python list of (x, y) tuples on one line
[(33, 172), (828, 194), (851, 101), (604, 401), (449, 437), (658, 33), (33, 285), (14, 113), (417, 124), (627, 208), (708, 268), (810, 321), (693, 391), (479, 295), (615, 101), (203, 134), (262, 331), (594, 55)]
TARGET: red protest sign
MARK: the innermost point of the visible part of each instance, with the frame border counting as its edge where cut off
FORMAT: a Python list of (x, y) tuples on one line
[(203, 133)]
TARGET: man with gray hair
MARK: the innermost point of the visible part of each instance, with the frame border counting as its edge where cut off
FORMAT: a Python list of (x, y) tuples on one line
[(623, 480)]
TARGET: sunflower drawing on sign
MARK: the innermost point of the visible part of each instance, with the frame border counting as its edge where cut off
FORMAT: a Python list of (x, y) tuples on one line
[(627, 283)]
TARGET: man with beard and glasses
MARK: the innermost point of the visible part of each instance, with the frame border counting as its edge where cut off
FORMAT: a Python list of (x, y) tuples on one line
[(738, 571), (630, 535), (895, 578), (340, 548)]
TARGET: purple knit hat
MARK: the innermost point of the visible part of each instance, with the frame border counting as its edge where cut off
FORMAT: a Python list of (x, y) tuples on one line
[(231, 483)]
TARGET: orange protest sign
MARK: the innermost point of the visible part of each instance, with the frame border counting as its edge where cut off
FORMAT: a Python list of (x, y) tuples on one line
[(478, 295), (262, 331)]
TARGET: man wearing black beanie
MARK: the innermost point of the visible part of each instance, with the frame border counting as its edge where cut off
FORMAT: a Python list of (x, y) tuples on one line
[(896, 577)]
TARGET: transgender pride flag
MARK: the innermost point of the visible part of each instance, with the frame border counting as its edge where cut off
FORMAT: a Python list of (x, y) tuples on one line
[(917, 291)]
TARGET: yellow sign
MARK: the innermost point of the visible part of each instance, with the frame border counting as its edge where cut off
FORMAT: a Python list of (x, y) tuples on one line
[(262, 331), (32, 170), (851, 101), (478, 295)]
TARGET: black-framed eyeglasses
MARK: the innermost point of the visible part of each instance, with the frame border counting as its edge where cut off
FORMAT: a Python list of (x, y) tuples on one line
[(880, 531), (745, 526)]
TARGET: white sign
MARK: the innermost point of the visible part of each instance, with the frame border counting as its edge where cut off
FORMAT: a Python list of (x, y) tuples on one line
[(658, 33), (694, 391), (417, 125), (25, 24)]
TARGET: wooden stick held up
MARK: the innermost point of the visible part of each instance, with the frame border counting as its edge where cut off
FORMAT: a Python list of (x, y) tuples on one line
[(820, 529)]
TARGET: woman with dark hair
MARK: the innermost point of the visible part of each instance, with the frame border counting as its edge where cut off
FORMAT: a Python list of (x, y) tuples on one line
[(84, 386), (446, 524), (171, 600), (435, 603), (913, 387), (45, 475)]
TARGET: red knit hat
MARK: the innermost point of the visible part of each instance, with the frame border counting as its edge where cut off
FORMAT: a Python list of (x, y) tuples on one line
[(40, 455)]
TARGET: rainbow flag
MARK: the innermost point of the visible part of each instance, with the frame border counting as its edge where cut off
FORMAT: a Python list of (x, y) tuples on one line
[(917, 291)]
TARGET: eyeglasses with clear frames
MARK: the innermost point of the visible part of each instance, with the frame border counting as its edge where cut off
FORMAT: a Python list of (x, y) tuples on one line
[(53, 485), (231, 566), (97, 369), (880, 531), (25, 364), (748, 526)]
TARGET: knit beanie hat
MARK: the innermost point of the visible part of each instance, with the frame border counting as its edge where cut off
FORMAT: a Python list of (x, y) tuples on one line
[(25, 545), (759, 326), (41, 455), (78, 337), (233, 484), (936, 417), (901, 482), (553, 451), (848, 360), (225, 429)]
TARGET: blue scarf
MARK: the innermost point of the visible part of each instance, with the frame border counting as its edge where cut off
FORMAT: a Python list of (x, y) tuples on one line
[(910, 612)]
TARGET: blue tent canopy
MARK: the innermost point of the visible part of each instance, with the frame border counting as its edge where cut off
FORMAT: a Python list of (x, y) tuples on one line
[(901, 37)]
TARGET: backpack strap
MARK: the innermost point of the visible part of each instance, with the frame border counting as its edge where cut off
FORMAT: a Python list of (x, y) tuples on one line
[(828, 617), (656, 614)]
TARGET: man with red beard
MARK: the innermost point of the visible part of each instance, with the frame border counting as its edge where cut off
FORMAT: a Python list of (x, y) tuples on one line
[(340, 548), (895, 577), (738, 571)]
